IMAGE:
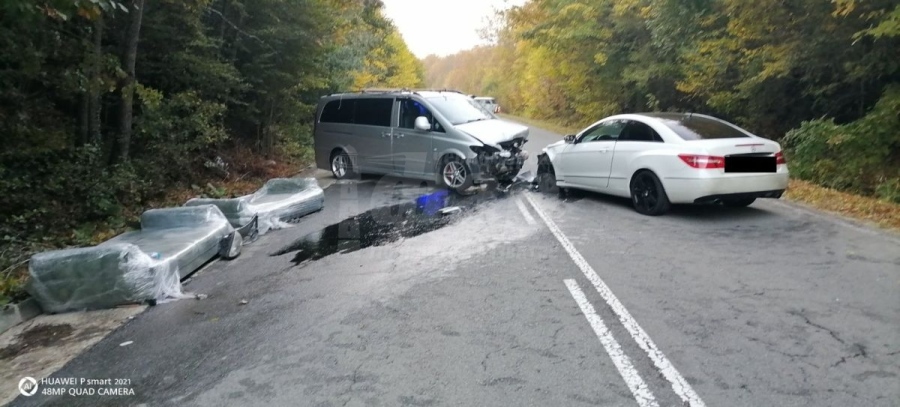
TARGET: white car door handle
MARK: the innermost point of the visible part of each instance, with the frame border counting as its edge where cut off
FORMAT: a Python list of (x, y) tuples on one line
[(399, 135), (602, 151), (385, 135)]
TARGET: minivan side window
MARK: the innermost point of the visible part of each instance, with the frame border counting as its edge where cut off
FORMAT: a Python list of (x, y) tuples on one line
[(374, 112), (338, 111), (410, 110)]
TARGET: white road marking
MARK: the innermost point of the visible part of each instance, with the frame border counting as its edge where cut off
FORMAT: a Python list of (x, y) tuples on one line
[(639, 389), (524, 210), (681, 387)]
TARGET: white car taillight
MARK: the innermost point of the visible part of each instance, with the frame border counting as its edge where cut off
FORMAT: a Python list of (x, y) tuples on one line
[(779, 158), (703, 161)]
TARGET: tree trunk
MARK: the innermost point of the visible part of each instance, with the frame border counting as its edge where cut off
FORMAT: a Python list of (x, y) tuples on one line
[(268, 141), (236, 38), (129, 56), (84, 116), (222, 23), (94, 85), (89, 105)]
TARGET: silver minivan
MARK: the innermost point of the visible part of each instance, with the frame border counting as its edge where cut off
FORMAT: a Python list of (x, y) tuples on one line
[(442, 136)]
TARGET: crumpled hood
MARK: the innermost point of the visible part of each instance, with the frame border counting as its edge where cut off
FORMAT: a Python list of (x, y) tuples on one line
[(553, 149), (555, 145), (494, 131)]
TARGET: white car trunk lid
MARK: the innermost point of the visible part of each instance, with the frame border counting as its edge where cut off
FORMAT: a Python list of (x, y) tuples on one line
[(732, 146)]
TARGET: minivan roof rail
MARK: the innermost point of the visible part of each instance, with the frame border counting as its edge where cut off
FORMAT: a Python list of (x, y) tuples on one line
[(397, 90), (385, 90)]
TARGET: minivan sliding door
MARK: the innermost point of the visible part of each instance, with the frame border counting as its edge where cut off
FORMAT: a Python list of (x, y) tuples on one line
[(373, 130), (411, 149)]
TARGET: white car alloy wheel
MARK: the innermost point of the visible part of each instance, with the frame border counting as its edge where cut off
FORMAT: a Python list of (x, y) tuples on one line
[(648, 195)]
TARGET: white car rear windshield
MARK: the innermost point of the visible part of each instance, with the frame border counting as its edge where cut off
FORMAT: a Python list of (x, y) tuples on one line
[(701, 128)]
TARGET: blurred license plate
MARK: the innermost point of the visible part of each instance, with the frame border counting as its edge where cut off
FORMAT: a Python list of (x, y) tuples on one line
[(750, 164)]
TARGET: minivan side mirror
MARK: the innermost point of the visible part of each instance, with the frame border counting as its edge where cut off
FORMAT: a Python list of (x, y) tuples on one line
[(422, 123), (570, 139)]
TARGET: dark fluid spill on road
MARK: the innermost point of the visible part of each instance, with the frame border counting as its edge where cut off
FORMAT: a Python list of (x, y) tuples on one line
[(377, 227), (387, 224)]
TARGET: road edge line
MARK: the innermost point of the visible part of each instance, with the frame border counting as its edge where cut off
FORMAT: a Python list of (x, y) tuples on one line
[(629, 373), (681, 387), (522, 208)]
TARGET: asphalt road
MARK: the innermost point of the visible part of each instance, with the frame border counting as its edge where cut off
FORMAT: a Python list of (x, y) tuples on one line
[(524, 299)]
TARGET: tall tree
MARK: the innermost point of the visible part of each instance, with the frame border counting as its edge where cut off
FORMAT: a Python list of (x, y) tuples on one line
[(129, 57)]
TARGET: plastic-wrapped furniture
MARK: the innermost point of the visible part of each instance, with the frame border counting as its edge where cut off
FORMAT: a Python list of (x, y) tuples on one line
[(279, 200), (138, 266)]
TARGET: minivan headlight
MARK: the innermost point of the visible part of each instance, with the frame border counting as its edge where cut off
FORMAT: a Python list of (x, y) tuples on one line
[(484, 149)]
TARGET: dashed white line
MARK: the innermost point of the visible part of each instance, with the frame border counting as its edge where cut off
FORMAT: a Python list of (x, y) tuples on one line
[(524, 210), (679, 385), (639, 389)]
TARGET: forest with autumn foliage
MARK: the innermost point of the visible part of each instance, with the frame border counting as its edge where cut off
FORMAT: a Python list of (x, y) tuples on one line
[(108, 107), (822, 77)]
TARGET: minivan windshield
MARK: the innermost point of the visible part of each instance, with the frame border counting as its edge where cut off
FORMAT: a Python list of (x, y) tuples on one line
[(459, 109)]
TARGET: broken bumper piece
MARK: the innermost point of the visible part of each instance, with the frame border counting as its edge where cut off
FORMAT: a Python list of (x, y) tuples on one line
[(502, 166)]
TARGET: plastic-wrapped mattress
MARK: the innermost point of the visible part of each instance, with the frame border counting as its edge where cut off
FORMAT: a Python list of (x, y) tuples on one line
[(132, 267), (278, 201)]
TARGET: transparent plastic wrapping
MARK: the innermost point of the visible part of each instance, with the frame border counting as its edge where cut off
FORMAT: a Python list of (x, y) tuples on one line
[(280, 200), (132, 267)]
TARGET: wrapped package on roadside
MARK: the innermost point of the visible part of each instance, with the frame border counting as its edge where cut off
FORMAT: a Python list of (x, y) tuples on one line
[(137, 266), (279, 201)]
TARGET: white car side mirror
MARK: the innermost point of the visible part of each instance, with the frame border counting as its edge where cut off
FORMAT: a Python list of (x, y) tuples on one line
[(422, 123)]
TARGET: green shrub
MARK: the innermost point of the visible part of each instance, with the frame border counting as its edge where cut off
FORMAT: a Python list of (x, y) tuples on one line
[(861, 157), (176, 135)]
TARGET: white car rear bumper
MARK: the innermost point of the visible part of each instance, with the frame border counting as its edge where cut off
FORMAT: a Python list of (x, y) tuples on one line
[(694, 190)]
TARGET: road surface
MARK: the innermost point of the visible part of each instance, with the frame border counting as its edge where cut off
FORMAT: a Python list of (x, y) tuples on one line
[(523, 299)]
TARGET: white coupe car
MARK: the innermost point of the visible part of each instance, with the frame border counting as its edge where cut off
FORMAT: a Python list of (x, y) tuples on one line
[(659, 159)]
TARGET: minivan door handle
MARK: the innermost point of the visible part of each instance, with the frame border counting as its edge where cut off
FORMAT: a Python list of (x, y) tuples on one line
[(383, 135), (399, 135)]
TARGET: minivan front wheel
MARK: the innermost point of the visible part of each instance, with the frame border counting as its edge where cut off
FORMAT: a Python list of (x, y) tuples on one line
[(341, 166), (455, 174)]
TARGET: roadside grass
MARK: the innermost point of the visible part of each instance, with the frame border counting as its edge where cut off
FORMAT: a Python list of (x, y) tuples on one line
[(248, 175), (882, 213)]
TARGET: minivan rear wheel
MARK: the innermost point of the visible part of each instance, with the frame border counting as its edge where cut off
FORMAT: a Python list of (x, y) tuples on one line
[(341, 166), (454, 174)]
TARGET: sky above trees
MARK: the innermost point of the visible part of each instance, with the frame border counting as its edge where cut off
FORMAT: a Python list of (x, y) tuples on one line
[(443, 27)]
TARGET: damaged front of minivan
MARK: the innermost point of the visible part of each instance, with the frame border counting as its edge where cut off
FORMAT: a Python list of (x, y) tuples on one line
[(500, 152), (471, 146)]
